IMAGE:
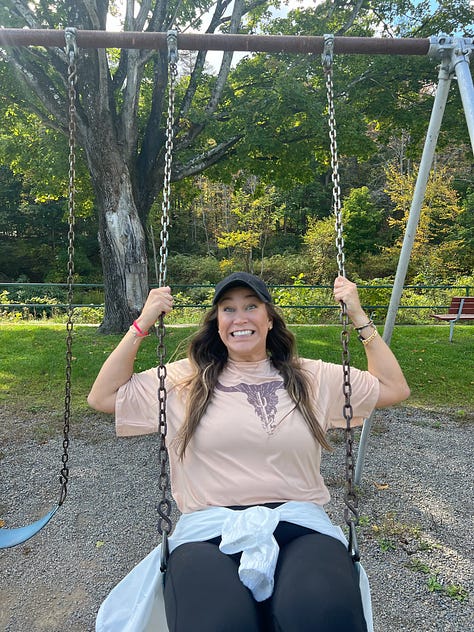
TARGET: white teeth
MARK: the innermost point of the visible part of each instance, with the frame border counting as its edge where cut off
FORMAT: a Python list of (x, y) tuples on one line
[(244, 332)]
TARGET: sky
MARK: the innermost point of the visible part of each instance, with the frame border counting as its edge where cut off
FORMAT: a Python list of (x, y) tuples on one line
[(214, 57)]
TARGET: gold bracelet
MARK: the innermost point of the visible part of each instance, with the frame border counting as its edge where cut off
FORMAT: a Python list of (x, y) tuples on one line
[(365, 341)]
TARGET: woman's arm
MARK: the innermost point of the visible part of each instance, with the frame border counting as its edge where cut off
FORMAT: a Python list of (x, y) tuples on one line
[(118, 368), (380, 360)]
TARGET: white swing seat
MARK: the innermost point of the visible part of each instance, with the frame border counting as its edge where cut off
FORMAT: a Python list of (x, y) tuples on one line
[(136, 603)]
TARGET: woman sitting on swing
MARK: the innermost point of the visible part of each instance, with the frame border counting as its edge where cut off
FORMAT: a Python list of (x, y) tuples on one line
[(247, 420)]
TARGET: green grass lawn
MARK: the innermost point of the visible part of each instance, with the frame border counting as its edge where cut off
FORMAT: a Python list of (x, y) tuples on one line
[(32, 362)]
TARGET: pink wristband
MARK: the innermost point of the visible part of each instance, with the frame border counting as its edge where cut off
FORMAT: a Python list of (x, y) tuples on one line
[(139, 332)]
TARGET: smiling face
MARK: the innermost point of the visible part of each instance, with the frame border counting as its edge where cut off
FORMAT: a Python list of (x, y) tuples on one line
[(243, 324)]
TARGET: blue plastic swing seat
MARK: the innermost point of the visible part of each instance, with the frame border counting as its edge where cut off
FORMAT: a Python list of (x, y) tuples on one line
[(13, 537)]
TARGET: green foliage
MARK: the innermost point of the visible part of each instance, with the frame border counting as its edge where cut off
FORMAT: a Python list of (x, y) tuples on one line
[(39, 156), (280, 104), (437, 245), (190, 269), (244, 240), (418, 566), (456, 592), (453, 591), (189, 306), (51, 304), (301, 301), (10, 197), (296, 300), (466, 228), (417, 303), (276, 105), (390, 531), (386, 544), (280, 269), (87, 315), (362, 222), (435, 584), (321, 248), (34, 235)]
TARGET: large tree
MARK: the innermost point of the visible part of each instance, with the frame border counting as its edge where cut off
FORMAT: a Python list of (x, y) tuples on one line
[(267, 117), (123, 147)]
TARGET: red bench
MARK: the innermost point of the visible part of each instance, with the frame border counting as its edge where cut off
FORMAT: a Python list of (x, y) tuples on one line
[(461, 308)]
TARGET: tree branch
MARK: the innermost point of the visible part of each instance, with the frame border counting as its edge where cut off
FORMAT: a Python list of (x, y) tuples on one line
[(236, 18), (158, 18), (153, 137), (203, 161), (24, 12), (221, 6), (224, 69), (93, 14), (32, 74), (129, 128), (142, 16), (351, 19)]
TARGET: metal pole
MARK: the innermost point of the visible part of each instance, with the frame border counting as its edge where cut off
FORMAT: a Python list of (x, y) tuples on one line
[(445, 73), (305, 44), (466, 89)]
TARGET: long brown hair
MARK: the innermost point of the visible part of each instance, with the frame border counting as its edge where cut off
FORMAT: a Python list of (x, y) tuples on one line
[(208, 356)]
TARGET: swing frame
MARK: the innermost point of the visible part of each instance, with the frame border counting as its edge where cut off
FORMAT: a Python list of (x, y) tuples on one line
[(453, 53)]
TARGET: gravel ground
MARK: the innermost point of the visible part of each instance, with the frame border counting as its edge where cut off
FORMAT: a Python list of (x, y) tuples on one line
[(416, 535)]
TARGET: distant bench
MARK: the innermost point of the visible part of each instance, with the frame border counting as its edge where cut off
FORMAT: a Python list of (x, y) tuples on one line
[(461, 308)]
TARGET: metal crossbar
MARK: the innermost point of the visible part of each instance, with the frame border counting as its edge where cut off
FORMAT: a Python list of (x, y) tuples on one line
[(220, 41)]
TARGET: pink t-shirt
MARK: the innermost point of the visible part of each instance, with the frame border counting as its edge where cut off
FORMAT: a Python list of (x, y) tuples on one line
[(252, 445)]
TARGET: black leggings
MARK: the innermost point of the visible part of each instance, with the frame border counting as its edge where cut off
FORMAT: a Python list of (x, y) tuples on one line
[(316, 588)]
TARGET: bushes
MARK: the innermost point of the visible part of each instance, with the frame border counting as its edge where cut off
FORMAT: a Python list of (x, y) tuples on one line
[(49, 305), (306, 305), (45, 305), (86, 315), (300, 303), (417, 302), (192, 269), (185, 311)]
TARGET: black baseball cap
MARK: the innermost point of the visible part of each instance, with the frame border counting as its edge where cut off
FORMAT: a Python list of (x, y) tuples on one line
[(238, 279)]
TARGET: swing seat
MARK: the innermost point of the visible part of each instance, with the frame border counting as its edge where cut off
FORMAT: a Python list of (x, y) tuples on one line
[(13, 537), (136, 604)]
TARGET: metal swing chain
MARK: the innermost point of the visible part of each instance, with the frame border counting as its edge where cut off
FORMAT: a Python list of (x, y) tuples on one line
[(351, 513), (172, 40), (164, 505), (71, 52)]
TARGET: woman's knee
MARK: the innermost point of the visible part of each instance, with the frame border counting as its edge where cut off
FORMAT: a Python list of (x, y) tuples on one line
[(316, 587), (298, 614), (203, 591)]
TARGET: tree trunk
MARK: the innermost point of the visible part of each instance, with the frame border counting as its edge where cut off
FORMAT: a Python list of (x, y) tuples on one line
[(123, 246), (125, 159), (124, 262)]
